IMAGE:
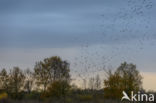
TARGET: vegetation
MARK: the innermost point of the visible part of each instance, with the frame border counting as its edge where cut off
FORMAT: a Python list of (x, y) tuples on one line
[(50, 70), (126, 78), (50, 81)]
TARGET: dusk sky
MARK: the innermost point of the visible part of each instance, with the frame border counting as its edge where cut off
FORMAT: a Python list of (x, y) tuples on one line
[(90, 34)]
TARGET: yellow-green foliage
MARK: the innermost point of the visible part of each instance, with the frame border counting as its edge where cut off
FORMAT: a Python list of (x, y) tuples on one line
[(125, 78), (3, 96), (58, 89), (113, 88)]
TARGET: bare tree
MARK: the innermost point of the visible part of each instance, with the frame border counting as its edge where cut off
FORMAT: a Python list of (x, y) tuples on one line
[(4, 83), (16, 81), (28, 80), (84, 83), (91, 83), (97, 82)]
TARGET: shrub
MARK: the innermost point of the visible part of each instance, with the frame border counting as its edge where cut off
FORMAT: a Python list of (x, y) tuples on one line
[(58, 89), (85, 98), (3, 96)]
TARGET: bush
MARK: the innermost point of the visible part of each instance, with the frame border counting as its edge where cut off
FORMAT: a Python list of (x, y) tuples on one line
[(3, 96), (58, 89), (32, 96), (85, 98)]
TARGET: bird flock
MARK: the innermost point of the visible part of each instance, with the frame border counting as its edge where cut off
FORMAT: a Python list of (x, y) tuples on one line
[(130, 23)]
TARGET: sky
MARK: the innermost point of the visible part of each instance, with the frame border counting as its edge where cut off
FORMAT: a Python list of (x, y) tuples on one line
[(90, 34)]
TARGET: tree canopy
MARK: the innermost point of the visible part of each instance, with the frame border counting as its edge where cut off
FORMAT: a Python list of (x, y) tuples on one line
[(126, 78), (50, 70)]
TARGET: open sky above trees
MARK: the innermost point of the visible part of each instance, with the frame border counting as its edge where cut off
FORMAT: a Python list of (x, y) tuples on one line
[(89, 34)]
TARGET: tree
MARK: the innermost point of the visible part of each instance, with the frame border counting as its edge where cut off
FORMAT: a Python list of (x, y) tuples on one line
[(41, 75), (126, 78), (28, 80), (91, 83), (94, 83), (16, 81), (131, 78), (112, 89), (4, 80), (58, 89), (84, 84), (97, 82), (50, 70)]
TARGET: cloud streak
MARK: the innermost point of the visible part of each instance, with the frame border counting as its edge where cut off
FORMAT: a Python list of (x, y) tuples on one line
[(48, 23)]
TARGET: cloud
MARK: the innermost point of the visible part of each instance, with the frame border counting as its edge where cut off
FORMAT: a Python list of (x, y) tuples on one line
[(69, 23)]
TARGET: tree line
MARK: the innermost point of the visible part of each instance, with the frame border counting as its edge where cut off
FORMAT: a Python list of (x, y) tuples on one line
[(51, 78)]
